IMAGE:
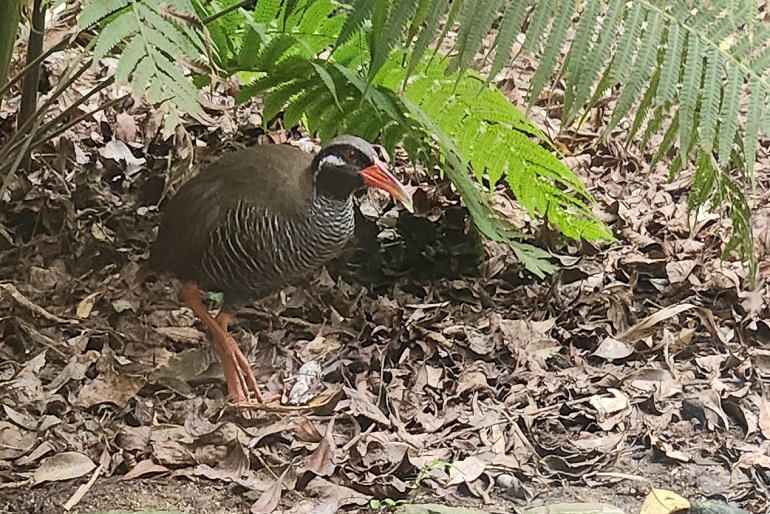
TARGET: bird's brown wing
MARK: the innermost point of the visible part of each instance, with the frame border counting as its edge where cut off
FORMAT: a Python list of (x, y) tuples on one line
[(275, 178)]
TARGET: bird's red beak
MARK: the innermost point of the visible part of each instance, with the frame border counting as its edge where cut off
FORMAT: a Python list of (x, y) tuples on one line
[(377, 175)]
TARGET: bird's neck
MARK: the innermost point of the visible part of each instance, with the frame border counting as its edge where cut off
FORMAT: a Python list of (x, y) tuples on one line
[(332, 204)]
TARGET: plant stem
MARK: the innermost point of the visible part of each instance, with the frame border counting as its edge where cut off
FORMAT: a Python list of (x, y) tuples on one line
[(227, 10), (29, 89), (10, 12), (23, 73)]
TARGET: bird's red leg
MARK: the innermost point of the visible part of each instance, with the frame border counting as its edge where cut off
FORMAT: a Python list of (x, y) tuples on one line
[(245, 374), (238, 374)]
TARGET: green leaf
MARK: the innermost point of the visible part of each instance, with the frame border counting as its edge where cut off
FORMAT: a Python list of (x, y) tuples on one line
[(362, 10), (691, 84), (753, 115), (96, 10), (728, 114), (510, 26), (552, 50), (712, 90), (328, 82)]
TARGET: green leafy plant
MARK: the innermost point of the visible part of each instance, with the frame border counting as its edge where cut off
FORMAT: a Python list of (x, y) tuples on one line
[(679, 68), (157, 34), (470, 121), (370, 66)]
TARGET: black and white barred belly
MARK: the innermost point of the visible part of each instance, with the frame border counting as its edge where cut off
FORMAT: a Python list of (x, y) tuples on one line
[(255, 252)]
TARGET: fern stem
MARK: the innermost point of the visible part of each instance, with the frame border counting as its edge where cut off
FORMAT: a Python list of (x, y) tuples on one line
[(227, 10)]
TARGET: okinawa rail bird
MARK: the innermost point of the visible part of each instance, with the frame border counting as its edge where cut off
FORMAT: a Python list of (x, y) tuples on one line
[(255, 221)]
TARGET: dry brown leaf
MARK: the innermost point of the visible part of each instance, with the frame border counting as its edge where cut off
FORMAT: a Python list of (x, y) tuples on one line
[(754, 459), (14, 441), (323, 460), (661, 501), (144, 467), (471, 381), (360, 405), (125, 127), (86, 305), (181, 334), (678, 271), (63, 466), (109, 387), (466, 470), (268, 500), (23, 420), (764, 417), (74, 370), (83, 489), (41, 451), (608, 405), (612, 349), (26, 302), (26, 383), (305, 430)]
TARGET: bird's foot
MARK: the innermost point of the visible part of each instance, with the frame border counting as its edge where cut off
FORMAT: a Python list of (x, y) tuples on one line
[(242, 386)]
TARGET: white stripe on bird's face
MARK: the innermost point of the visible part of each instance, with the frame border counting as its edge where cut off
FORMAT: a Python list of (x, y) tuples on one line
[(332, 160)]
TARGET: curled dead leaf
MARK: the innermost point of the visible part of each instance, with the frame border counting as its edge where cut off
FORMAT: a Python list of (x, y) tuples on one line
[(63, 466), (662, 501)]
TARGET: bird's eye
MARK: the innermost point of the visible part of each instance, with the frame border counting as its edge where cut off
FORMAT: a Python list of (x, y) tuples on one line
[(350, 155)]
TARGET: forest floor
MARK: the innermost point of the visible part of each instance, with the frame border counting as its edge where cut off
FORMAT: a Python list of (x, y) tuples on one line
[(449, 374)]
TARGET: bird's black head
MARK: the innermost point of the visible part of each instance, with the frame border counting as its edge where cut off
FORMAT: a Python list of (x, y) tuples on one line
[(348, 163)]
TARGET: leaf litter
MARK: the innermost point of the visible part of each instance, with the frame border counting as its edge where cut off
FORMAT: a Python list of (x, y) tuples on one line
[(443, 371)]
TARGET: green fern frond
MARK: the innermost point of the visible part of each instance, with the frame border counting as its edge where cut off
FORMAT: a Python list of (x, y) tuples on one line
[(361, 10), (388, 30), (116, 31), (632, 29), (691, 84), (581, 43), (280, 95), (579, 88), (553, 47), (538, 21), (644, 109), (97, 10), (267, 11), (669, 136), (315, 15), (436, 10), (728, 114), (753, 115), (328, 81), (671, 69), (640, 73), (483, 122), (474, 22), (153, 43), (510, 26), (712, 90)]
